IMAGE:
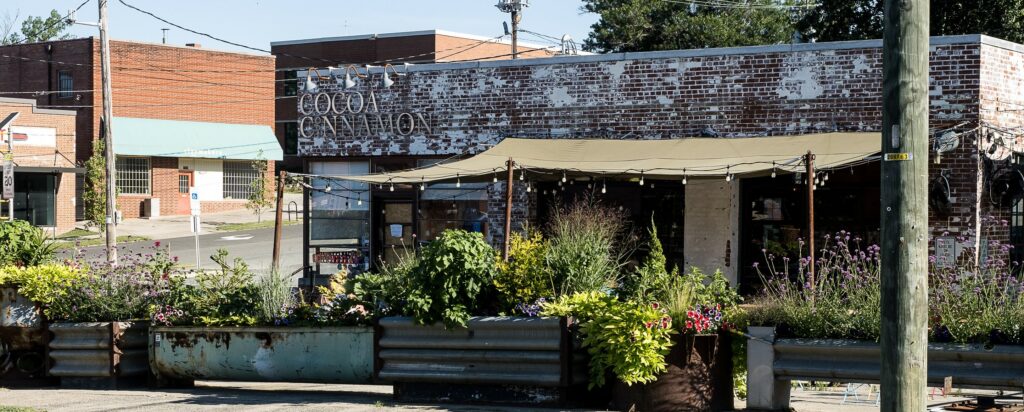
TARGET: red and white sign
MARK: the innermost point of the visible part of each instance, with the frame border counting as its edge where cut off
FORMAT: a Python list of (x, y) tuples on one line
[(32, 136)]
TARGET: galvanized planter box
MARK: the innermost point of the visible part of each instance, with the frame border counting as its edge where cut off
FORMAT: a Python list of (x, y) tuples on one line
[(23, 340), (772, 363), (99, 354), (181, 354), (494, 359)]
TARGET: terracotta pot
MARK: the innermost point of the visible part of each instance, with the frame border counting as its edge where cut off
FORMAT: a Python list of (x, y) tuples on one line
[(699, 378)]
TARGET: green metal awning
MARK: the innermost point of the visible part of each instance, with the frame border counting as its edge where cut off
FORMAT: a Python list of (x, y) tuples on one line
[(178, 138)]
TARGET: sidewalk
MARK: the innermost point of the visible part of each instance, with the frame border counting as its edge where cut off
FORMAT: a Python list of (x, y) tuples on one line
[(170, 227)]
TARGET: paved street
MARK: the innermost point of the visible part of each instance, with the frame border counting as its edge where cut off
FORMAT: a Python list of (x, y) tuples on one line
[(254, 246), (252, 396)]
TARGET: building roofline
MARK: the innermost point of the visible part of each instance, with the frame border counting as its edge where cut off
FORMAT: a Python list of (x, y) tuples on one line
[(146, 43), (35, 107), (432, 32), (725, 51)]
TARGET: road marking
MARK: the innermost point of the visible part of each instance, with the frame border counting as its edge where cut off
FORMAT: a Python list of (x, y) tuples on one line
[(237, 237)]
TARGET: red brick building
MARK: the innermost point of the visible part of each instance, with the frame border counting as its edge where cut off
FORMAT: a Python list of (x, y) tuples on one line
[(212, 102), (44, 163), (976, 96), (419, 47)]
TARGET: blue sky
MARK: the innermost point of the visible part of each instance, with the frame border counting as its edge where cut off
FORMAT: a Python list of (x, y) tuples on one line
[(258, 22)]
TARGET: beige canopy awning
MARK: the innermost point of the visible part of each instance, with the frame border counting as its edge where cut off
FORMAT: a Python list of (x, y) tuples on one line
[(692, 157)]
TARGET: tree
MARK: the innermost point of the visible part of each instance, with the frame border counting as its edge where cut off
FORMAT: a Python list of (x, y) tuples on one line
[(95, 193), (836, 20), (36, 29), (258, 201), (639, 25)]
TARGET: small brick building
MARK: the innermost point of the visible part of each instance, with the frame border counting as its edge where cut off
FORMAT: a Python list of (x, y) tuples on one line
[(451, 110), (210, 99), (44, 163)]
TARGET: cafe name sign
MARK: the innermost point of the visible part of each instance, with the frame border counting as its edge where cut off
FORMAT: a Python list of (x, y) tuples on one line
[(355, 114)]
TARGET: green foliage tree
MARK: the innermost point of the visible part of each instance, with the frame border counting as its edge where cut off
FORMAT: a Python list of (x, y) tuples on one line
[(639, 25), (22, 244), (95, 193), (453, 271), (837, 20), (258, 201), (38, 29)]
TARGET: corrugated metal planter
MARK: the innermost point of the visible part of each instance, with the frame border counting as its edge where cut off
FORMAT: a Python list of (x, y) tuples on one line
[(23, 340), (499, 359), (286, 354), (99, 354), (699, 378), (772, 363)]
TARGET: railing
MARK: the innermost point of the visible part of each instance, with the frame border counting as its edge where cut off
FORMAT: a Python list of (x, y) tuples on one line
[(772, 363)]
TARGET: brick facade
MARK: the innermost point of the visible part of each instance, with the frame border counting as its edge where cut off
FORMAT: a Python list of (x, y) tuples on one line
[(737, 92), (60, 156), (153, 81)]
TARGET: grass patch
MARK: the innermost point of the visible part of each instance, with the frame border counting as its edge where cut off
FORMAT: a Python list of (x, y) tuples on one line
[(76, 233), (266, 224), (62, 245)]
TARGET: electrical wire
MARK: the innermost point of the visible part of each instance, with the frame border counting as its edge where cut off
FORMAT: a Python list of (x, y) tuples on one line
[(51, 25)]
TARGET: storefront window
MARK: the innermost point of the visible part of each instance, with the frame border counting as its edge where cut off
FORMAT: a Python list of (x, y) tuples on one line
[(34, 198), (341, 215), (451, 206), (133, 175), (238, 178)]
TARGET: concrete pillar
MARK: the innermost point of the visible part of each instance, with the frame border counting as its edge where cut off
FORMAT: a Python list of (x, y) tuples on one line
[(711, 226), (764, 392)]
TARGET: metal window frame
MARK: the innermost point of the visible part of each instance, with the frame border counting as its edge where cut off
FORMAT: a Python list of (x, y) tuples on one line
[(134, 175), (237, 179), (65, 91)]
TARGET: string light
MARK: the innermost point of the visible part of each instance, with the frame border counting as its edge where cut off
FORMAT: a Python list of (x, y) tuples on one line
[(563, 176), (684, 176), (495, 178), (328, 188), (641, 178), (391, 187), (604, 187), (773, 170), (528, 189), (458, 180), (359, 202), (825, 178), (728, 176), (423, 184), (522, 176)]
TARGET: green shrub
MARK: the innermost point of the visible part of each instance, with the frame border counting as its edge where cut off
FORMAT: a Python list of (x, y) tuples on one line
[(388, 288), (652, 280), (453, 270), (585, 252), (227, 297), (22, 244), (629, 339), (524, 278), (45, 283)]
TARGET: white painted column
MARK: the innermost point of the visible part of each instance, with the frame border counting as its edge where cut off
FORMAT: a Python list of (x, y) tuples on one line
[(711, 226)]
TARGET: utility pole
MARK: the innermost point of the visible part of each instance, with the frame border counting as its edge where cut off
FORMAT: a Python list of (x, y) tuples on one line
[(515, 7), (278, 223), (904, 254), (108, 136)]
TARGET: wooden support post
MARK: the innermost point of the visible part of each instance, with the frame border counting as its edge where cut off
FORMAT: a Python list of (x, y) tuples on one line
[(278, 220), (809, 162), (904, 214), (508, 209)]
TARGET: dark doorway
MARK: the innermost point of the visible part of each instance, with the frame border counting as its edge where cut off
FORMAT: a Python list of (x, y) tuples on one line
[(34, 197)]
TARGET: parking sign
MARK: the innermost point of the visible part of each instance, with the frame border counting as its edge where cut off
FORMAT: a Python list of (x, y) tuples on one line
[(193, 201), (8, 179)]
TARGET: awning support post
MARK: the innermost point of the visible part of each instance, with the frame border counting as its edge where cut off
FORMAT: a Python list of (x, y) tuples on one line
[(508, 209), (276, 259), (809, 162)]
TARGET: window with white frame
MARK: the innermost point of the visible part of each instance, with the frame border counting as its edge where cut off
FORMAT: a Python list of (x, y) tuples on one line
[(238, 178), (133, 175), (65, 84)]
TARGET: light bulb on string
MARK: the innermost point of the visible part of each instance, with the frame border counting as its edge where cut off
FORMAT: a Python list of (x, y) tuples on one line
[(522, 176), (528, 189), (423, 185), (359, 201), (825, 179), (458, 180), (495, 178), (773, 170), (391, 187), (641, 178), (684, 176), (346, 204), (604, 187), (563, 176), (728, 176), (328, 188)]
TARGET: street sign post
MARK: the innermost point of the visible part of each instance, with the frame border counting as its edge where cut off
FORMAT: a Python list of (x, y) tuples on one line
[(194, 205), (8, 183)]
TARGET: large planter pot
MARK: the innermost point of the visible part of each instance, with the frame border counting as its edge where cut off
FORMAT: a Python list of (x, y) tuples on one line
[(699, 378), (99, 354), (493, 360), (285, 354), (772, 363), (23, 340)]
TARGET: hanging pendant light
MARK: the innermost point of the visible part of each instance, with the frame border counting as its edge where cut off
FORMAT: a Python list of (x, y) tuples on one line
[(604, 187), (458, 180), (641, 178)]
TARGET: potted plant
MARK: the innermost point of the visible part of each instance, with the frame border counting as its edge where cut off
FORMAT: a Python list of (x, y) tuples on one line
[(97, 317), (23, 335), (975, 313), (231, 324)]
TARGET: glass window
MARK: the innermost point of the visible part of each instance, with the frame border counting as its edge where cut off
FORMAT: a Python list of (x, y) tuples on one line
[(65, 84), (133, 175), (341, 215), (291, 84), (291, 138), (451, 206), (238, 178), (34, 198)]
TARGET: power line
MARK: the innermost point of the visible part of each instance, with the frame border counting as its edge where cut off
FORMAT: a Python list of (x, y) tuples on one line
[(51, 25)]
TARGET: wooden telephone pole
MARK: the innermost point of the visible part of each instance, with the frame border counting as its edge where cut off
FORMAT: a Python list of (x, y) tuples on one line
[(904, 255), (108, 137)]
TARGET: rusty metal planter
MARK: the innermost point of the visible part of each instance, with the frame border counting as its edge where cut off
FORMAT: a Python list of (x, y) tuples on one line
[(286, 354), (23, 340), (493, 359), (99, 354), (772, 363)]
